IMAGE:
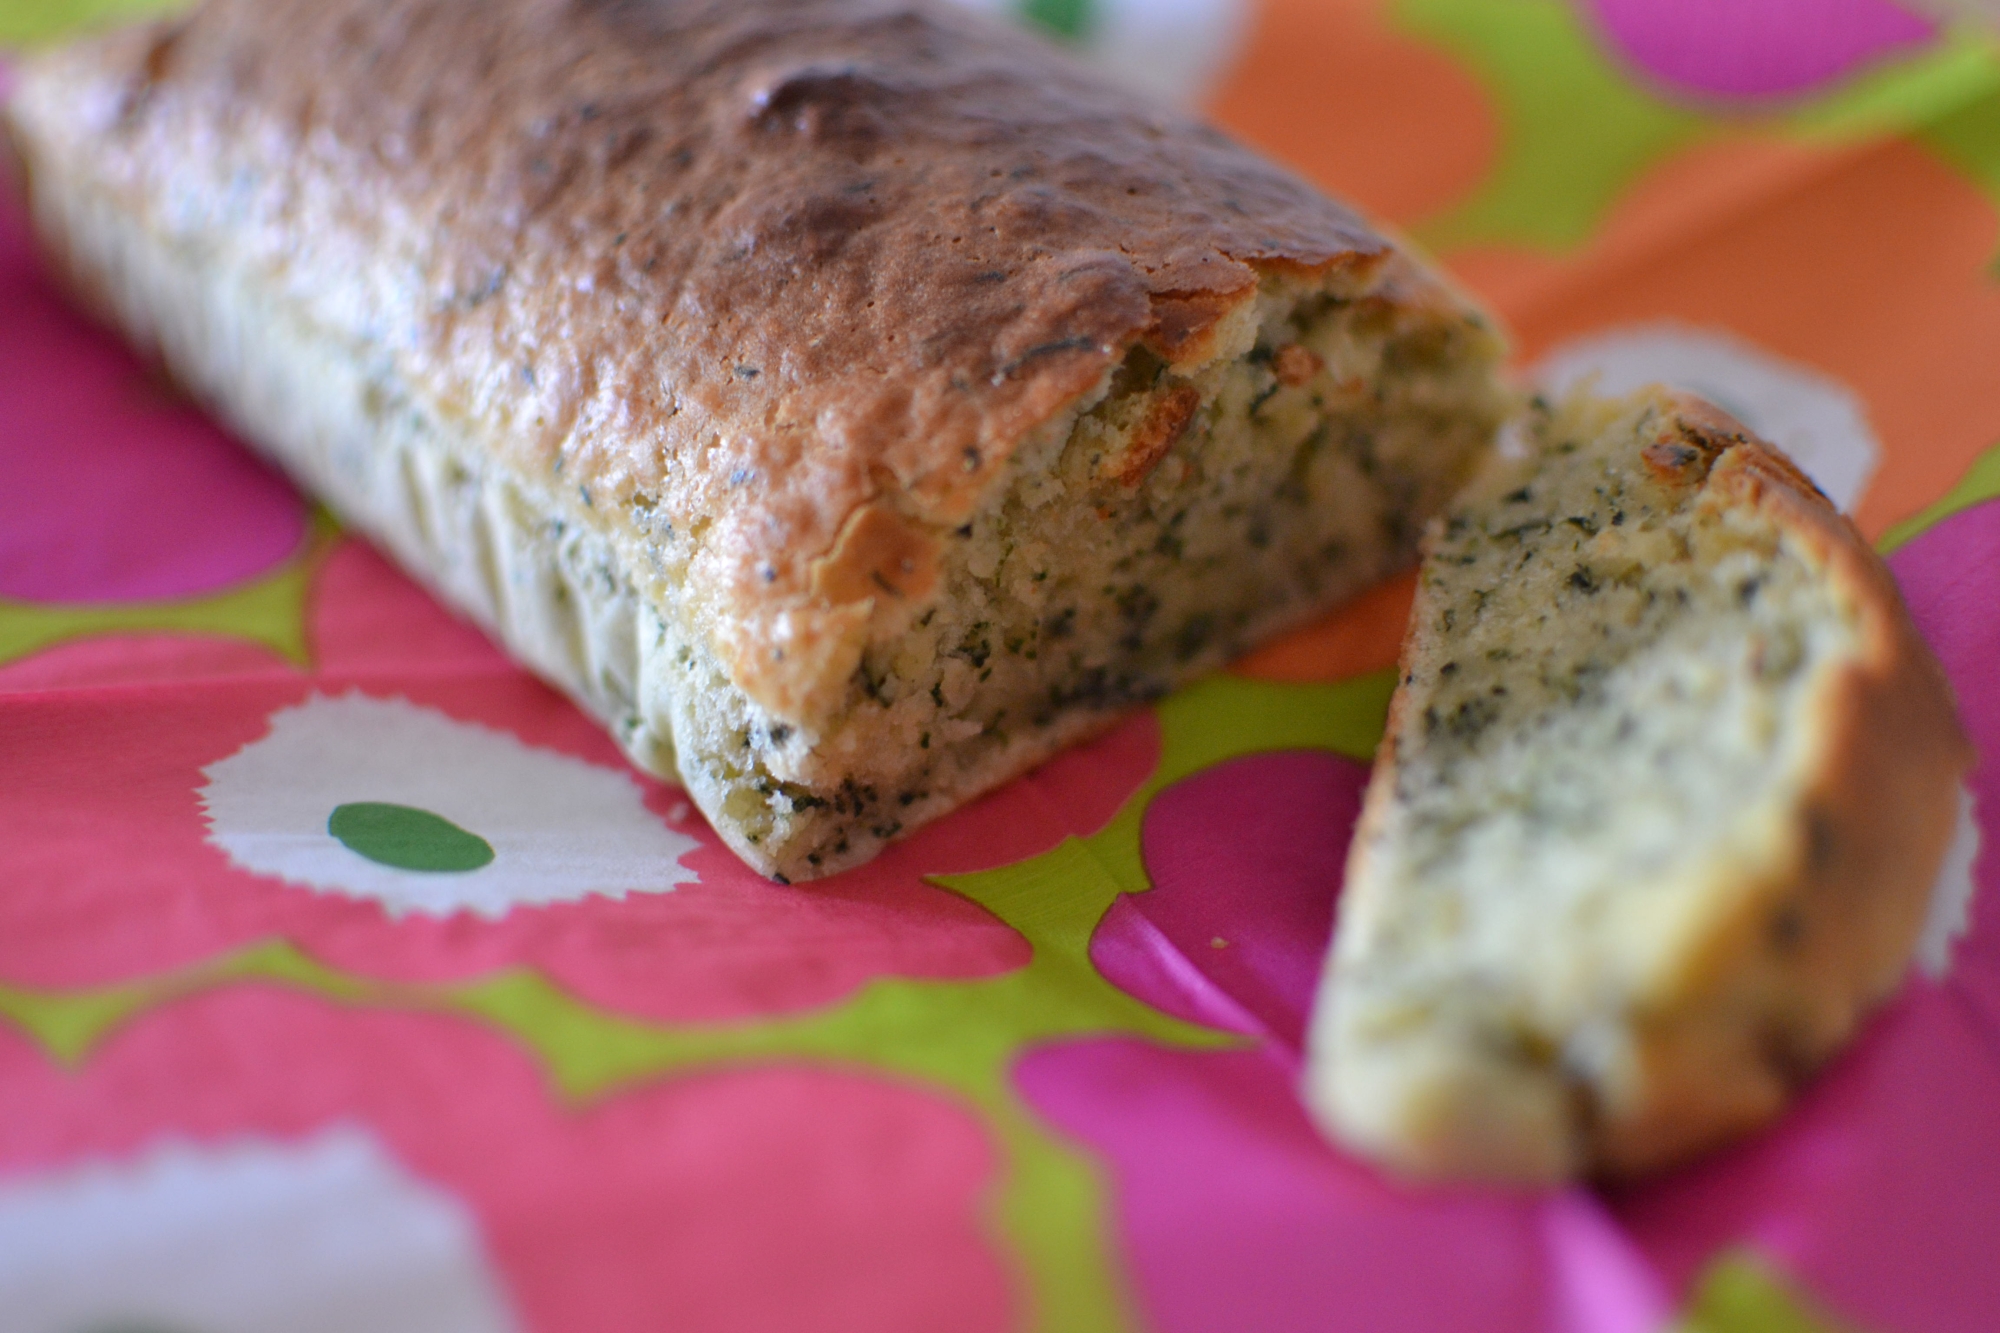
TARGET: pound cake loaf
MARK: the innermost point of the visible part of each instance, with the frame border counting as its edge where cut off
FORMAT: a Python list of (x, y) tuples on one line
[(1668, 779), (847, 401)]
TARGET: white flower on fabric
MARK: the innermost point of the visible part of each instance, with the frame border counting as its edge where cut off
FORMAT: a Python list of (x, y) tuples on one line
[(1174, 51), (383, 799), (1816, 419), (328, 1235), (1950, 914)]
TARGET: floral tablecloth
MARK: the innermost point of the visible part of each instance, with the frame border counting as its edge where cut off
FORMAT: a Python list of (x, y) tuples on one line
[(350, 981)]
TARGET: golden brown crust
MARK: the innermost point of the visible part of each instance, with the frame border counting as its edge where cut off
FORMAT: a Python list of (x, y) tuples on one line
[(1165, 422), (725, 272), (876, 556)]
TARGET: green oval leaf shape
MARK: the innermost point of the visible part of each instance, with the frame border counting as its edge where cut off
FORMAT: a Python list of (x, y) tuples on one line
[(407, 838)]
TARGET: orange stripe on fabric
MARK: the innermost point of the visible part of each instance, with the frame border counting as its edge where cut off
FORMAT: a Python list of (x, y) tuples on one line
[(1874, 273), (1380, 119)]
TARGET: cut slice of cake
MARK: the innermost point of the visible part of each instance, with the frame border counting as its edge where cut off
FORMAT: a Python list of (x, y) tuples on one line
[(1667, 779)]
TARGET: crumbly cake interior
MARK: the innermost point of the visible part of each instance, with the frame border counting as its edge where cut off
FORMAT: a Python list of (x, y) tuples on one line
[(1304, 474), (1598, 637), (1606, 709)]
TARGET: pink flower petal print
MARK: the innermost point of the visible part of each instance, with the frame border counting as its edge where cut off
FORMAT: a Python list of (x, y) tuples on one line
[(761, 1198), (113, 489), (108, 660), (1950, 575), (1246, 859), (367, 617), (1233, 1212), (1878, 1192), (1756, 48)]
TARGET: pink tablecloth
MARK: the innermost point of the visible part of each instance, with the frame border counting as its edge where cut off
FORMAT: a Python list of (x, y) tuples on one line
[(1035, 1067)]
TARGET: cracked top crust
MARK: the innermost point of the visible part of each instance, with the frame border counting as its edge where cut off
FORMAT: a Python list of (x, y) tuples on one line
[(759, 284)]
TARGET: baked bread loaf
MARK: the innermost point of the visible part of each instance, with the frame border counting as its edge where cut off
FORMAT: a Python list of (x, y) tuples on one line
[(1668, 779), (847, 401)]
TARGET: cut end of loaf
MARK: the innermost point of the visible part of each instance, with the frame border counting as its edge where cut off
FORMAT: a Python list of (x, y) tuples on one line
[(1180, 515), (1628, 871)]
